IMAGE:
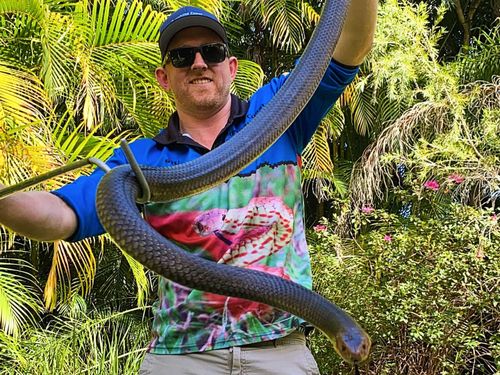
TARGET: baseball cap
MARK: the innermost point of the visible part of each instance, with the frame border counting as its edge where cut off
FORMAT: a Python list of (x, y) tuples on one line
[(183, 18)]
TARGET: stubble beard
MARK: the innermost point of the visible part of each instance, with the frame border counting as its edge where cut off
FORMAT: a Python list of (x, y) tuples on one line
[(208, 102)]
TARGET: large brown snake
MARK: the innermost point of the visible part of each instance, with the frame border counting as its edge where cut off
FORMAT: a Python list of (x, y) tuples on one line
[(118, 190)]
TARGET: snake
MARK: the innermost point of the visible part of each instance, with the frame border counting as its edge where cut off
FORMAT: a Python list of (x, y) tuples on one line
[(264, 220), (120, 216)]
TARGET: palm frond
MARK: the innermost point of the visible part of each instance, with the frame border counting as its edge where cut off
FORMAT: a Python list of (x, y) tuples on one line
[(249, 78), (74, 142), (318, 165), (34, 8), (117, 63), (73, 307), (120, 280), (311, 15), (213, 6), (284, 20), (22, 96), (58, 40), (97, 343), (123, 22), (364, 110), (371, 176), (69, 258), (140, 278), (24, 151), (482, 60), (19, 301), (287, 26)]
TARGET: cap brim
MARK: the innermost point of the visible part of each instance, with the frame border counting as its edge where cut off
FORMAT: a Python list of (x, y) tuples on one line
[(185, 22)]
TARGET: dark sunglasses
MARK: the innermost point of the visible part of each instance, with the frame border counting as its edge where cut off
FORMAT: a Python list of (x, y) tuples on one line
[(212, 53)]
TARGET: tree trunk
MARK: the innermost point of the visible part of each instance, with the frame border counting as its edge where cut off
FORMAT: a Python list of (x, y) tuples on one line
[(465, 16)]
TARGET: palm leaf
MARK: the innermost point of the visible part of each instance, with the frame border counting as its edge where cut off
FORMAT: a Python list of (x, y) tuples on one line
[(287, 25), (317, 162), (58, 40), (213, 6), (249, 78), (115, 278), (24, 151), (123, 22), (117, 63), (284, 20), (140, 278), (482, 60), (77, 256), (34, 8), (22, 97), (19, 301), (363, 108), (311, 15)]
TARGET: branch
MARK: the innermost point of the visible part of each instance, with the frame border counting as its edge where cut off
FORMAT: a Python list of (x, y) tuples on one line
[(472, 10), (460, 13)]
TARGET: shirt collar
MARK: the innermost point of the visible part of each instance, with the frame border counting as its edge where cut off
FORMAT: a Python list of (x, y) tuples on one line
[(172, 133)]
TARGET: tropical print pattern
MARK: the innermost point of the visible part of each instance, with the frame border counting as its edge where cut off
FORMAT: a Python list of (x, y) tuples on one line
[(253, 221)]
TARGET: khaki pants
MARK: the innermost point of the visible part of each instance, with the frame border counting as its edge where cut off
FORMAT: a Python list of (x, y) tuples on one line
[(288, 356)]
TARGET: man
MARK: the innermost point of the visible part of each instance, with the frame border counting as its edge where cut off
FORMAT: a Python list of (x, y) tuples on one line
[(254, 220)]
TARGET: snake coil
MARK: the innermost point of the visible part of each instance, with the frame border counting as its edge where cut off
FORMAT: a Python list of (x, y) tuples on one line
[(118, 213)]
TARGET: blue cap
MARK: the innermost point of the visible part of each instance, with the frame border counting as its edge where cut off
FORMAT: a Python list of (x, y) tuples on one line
[(188, 17)]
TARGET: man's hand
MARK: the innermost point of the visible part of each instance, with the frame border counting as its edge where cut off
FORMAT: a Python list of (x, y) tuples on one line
[(38, 215), (358, 32)]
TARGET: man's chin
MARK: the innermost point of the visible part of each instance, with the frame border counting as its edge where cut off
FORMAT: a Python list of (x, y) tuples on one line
[(207, 104), (202, 102)]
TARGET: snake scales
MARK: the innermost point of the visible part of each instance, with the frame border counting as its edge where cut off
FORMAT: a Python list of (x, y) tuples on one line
[(118, 212)]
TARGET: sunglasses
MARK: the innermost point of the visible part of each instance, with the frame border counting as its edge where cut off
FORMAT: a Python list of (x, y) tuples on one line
[(212, 53)]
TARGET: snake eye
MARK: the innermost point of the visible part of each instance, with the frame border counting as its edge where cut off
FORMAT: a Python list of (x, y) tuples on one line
[(199, 227)]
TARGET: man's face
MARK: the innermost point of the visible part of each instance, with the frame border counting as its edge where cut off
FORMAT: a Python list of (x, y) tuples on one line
[(200, 88)]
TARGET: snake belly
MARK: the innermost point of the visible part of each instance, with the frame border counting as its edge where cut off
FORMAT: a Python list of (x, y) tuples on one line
[(120, 217)]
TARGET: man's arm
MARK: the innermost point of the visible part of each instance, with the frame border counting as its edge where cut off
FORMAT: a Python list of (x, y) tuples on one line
[(357, 34), (38, 215)]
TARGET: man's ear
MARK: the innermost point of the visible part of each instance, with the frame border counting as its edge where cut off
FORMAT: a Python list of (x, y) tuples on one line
[(161, 77), (233, 67)]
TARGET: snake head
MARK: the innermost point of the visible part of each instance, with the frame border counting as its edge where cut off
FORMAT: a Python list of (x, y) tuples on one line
[(353, 344)]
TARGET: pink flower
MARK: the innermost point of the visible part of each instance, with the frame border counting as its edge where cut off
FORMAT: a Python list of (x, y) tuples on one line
[(494, 218), (367, 209), (320, 228), (456, 178), (432, 185), (387, 238)]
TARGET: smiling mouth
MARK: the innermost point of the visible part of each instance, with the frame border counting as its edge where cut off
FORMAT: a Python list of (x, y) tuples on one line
[(199, 81)]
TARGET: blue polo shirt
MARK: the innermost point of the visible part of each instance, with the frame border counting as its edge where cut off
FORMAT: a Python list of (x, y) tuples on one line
[(254, 220)]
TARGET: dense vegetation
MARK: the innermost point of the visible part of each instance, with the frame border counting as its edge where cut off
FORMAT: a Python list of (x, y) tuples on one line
[(403, 177)]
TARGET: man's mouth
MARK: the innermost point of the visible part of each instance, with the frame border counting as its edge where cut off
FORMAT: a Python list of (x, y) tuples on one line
[(198, 81)]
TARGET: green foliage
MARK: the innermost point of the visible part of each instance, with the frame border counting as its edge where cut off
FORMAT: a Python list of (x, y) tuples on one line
[(424, 288), (75, 77), (404, 57), (19, 296), (107, 344), (481, 61), (452, 143)]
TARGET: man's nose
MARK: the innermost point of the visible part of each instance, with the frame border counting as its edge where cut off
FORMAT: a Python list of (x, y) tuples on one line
[(198, 62)]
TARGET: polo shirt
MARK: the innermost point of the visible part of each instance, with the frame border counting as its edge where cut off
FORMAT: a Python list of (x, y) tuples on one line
[(254, 220)]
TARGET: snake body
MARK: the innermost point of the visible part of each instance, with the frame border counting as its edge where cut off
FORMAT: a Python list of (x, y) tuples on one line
[(119, 215)]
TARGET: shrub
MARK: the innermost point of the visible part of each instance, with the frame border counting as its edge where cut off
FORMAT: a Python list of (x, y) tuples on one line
[(426, 290)]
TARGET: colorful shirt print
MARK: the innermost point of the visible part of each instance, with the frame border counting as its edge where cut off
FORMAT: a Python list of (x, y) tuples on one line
[(254, 220)]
